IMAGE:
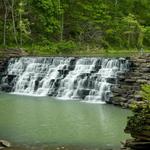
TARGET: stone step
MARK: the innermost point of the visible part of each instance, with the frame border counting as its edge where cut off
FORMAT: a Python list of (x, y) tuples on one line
[(138, 145)]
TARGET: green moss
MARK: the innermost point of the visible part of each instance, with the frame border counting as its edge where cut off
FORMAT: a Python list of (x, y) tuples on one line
[(138, 123), (146, 92)]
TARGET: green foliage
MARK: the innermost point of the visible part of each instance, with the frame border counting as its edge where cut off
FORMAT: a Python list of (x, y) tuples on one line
[(107, 24), (139, 107), (136, 123), (51, 48), (147, 36), (66, 47), (146, 92), (132, 31)]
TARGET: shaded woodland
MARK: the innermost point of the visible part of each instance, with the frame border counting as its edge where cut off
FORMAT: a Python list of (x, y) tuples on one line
[(68, 24)]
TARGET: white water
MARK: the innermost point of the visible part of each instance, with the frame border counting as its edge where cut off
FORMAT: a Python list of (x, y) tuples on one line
[(87, 79)]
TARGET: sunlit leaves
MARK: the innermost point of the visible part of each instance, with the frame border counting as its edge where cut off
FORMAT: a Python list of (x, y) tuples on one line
[(146, 91)]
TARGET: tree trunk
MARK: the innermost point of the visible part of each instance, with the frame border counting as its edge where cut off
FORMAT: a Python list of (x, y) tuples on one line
[(61, 21), (13, 21), (116, 2), (5, 22), (20, 18), (62, 26)]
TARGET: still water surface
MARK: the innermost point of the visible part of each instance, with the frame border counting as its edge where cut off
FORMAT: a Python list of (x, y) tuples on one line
[(43, 120)]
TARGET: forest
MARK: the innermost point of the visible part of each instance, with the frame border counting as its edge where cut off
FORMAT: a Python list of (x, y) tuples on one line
[(73, 25)]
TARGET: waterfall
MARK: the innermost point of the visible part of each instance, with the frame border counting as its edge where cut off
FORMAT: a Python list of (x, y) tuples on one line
[(87, 79)]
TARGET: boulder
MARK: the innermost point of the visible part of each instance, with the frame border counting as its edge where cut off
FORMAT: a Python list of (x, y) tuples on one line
[(130, 81), (140, 60), (138, 97), (121, 78), (73, 62), (83, 75), (147, 65), (138, 145), (120, 73), (118, 100), (119, 90), (141, 81), (147, 55), (111, 80), (83, 93), (63, 71), (145, 70), (4, 144), (5, 87)]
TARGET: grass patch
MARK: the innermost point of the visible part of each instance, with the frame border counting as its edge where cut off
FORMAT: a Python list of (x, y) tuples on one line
[(69, 48)]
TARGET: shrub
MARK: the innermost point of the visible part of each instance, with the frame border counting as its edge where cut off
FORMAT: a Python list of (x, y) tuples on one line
[(66, 47)]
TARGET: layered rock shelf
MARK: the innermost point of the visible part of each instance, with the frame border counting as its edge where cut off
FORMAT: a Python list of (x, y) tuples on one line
[(139, 127), (129, 83), (6, 54)]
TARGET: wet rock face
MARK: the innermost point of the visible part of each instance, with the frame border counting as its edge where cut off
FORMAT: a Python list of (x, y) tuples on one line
[(4, 58), (129, 83), (83, 93), (138, 126), (111, 80), (132, 144), (5, 87), (4, 144), (3, 66)]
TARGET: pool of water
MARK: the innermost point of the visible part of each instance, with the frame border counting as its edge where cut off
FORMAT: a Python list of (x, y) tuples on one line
[(44, 120)]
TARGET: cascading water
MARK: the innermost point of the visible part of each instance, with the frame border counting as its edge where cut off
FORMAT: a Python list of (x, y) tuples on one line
[(88, 79)]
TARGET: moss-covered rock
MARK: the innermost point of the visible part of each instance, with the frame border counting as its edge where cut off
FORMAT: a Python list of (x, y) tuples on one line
[(138, 125)]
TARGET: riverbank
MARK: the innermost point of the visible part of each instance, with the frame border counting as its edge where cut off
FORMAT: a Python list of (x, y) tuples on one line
[(138, 126), (46, 51), (56, 147), (52, 147)]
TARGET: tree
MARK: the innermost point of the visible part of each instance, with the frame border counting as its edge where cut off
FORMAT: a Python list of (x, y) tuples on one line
[(5, 21), (13, 20), (133, 31), (100, 23)]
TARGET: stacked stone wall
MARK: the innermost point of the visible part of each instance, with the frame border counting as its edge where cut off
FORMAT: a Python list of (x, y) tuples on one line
[(129, 83)]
